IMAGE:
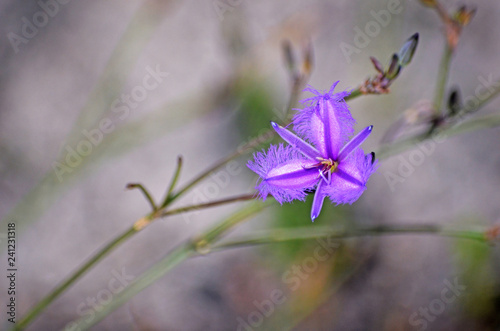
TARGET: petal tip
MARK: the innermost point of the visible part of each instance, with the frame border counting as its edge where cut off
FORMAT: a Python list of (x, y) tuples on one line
[(315, 214), (274, 125)]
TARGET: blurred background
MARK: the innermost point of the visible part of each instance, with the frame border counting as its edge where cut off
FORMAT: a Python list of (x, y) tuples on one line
[(135, 84)]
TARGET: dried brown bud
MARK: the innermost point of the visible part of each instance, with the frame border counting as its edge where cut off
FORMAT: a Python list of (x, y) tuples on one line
[(464, 15)]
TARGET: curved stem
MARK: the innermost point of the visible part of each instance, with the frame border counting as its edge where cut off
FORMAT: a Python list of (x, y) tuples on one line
[(146, 194), (204, 245), (196, 246), (40, 306), (106, 250)]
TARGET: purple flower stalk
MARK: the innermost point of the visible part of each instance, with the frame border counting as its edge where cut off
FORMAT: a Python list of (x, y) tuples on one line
[(320, 156)]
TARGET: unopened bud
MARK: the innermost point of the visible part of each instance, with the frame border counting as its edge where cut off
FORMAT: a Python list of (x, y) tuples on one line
[(454, 102), (372, 154), (406, 52), (394, 68), (289, 57)]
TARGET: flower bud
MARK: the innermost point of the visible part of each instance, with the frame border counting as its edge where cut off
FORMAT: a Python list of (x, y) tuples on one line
[(394, 68), (289, 57), (406, 52), (454, 102)]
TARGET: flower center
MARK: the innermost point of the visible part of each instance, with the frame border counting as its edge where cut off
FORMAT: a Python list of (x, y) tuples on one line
[(328, 165)]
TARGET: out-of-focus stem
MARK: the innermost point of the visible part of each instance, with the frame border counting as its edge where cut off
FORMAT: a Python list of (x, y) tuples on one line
[(306, 233), (354, 94), (197, 246), (444, 69), (106, 250), (40, 306), (470, 125)]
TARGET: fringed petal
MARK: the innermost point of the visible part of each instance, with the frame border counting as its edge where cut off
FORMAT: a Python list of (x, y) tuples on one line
[(349, 181), (285, 173), (327, 122)]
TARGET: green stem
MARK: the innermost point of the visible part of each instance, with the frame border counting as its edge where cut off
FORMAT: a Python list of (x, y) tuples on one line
[(171, 188), (444, 69), (307, 233), (354, 94), (207, 172), (197, 246), (40, 306), (206, 205), (146, 194), (204, 245), (399, 146)]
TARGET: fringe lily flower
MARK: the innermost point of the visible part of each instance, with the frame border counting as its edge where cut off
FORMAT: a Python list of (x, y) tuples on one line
[(318, 157)]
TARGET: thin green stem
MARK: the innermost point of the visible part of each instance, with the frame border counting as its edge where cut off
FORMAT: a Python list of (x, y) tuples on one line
[(40, 306), (444, 69), (206, 205), (171, 188), (204, 244), (354, 94), (146, 194), (307, 233), (439, 135), (491, 96), (197, 246), (207, 172)]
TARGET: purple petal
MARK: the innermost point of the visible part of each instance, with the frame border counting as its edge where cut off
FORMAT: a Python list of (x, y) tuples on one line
[(292, 174), (355, 142), (349, 181), (346, 176), (296, 142), (327, 122), (319, 196), (284, 172)]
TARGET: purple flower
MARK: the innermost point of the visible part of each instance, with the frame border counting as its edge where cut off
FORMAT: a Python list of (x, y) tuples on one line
[(324, 160)]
